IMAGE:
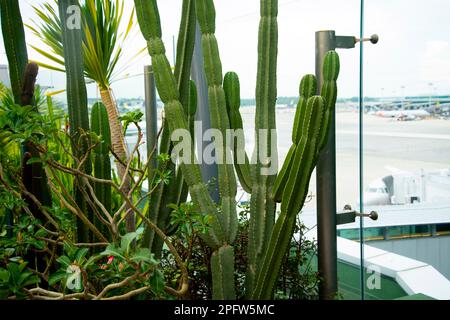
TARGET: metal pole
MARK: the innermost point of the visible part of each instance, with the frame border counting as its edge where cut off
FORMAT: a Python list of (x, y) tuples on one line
[(326, 187), (209, 171), (151, 116)]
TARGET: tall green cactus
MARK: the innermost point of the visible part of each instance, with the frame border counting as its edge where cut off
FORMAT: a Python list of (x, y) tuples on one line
[(262, 205), (268, 240), (15, 44), (311, 126), (76, 99), (149, 21), (176, 190), (102, 161)]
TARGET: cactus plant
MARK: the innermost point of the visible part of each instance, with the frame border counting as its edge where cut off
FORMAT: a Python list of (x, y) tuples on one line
[(15, 45), (76, 101), (176, 190), (23, 77), (101, 155), (268, 237)]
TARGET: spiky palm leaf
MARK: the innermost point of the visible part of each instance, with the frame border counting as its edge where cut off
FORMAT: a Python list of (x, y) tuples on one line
[(102, 38)]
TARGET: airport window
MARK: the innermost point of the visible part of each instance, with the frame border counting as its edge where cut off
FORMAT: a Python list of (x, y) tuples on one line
[(398, 232), (352, 234), (443, 229), (371, 234), (421, 230)]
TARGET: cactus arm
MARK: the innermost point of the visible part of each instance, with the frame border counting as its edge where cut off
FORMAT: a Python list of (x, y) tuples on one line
[(308, 87), (331, 68), (218, 114), (15, 45), (183, 190), (283, 175), (222, 265), (185, 50), (186, 87), (176, 189), (76, 100), (313, 125), (149, 22), (262, 212), (102, 162), (233, 100)]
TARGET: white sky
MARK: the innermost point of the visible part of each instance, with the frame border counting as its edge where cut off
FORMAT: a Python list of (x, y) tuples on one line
[(414, 46)]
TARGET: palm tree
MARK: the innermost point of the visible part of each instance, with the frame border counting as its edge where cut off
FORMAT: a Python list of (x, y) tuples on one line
[(102, 50)]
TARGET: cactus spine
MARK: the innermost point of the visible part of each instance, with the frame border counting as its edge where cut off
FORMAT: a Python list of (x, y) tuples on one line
[(76, 100), (102, 161)]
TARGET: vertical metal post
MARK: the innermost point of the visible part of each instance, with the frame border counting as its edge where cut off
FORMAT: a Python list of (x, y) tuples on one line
[(209, 171), (326, 187), (326, 171), (151, 116)]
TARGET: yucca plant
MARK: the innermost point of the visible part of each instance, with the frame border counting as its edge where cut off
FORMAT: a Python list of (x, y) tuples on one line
[(104, 34)]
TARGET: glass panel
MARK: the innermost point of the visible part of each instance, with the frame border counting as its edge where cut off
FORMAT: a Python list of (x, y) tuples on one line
[(406, 132)]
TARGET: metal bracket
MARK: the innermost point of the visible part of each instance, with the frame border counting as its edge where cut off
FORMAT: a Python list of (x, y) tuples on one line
[(349, 215), (348, 42)]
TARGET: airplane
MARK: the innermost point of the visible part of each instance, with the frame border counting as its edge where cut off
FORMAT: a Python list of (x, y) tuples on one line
[(404, 187), (403, 115), (377, 194)]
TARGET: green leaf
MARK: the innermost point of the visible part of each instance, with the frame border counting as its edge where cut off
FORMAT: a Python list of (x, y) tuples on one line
[(4, 275), (157, 281), (127, 239), (144, 255), (112, 250), (81, 253), (34, 160), (57, 277), (64, 261)]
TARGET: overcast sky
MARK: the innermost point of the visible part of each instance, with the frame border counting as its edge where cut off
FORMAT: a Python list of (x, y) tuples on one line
[(413, 51)]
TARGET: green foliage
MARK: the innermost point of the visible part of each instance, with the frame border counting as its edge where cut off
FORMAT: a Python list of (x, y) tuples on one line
[(14, 279), (188, 219), (105, 31), (131, 117)]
